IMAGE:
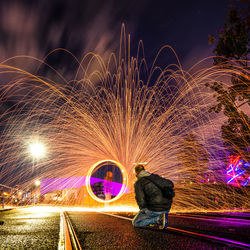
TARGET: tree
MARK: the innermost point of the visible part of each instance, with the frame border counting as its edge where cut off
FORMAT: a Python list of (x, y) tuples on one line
[(232, 52), (193, 159)]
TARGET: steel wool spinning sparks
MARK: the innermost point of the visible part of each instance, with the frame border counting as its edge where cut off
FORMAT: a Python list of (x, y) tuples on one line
[(122, 111), (123, 187)]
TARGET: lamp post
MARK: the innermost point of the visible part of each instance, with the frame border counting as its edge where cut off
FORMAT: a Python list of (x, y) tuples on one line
[(37, 184), (37, 151)]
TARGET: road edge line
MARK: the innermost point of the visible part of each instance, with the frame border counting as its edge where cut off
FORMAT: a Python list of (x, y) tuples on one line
[(61, 243)]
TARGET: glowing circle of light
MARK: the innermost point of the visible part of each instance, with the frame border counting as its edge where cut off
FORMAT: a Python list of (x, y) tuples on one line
[(124, 181)]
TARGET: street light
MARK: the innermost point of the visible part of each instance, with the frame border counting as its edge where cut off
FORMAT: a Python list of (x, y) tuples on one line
[(37, 151), (37, 183)]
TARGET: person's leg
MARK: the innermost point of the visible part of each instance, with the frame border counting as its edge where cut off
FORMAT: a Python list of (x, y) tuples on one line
[(139, 217), (163, 220), (146, 217)]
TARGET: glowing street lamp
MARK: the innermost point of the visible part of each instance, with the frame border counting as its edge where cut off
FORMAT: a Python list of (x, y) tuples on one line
[(37, 183), (37, 150)]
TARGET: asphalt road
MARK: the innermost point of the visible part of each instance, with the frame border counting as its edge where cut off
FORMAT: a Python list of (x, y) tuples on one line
[(237, 229), (29, 229), (38, 228), (100, 231)]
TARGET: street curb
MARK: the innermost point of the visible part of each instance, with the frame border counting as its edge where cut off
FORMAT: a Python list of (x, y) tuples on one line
[(12, 208), (6, 209)]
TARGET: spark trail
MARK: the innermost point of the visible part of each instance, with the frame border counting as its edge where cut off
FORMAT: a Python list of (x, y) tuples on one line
[(119, 110)]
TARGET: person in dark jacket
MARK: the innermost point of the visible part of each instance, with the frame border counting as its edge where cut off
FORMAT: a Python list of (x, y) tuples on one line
[(153, 206)]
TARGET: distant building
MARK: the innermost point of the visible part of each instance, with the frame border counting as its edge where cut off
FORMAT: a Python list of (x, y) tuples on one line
[(72, 190)]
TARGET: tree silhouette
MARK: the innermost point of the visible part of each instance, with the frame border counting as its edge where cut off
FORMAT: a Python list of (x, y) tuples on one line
[(232, 51)]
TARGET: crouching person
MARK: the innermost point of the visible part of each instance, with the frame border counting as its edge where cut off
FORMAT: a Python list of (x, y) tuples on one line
[(154, 205)]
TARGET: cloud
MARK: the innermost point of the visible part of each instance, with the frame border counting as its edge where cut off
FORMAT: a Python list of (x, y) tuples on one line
[(18, 28), (197, 54)]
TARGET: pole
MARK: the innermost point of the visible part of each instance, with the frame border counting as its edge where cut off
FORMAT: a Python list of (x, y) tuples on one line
[(33, 164)]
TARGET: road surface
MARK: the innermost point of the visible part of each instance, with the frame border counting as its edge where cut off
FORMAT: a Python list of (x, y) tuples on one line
[(39, 228)]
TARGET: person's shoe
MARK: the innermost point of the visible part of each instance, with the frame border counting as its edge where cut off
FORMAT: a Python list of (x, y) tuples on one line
[(162, 222), (152, 226), (166, 221)]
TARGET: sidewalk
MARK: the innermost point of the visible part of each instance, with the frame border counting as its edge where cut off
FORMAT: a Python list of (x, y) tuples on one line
[(6, 208)]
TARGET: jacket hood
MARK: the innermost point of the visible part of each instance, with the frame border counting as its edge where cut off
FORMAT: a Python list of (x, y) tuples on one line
[(143, 173)]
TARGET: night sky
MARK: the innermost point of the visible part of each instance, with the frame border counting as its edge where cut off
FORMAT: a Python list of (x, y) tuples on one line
[(37, 27)]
